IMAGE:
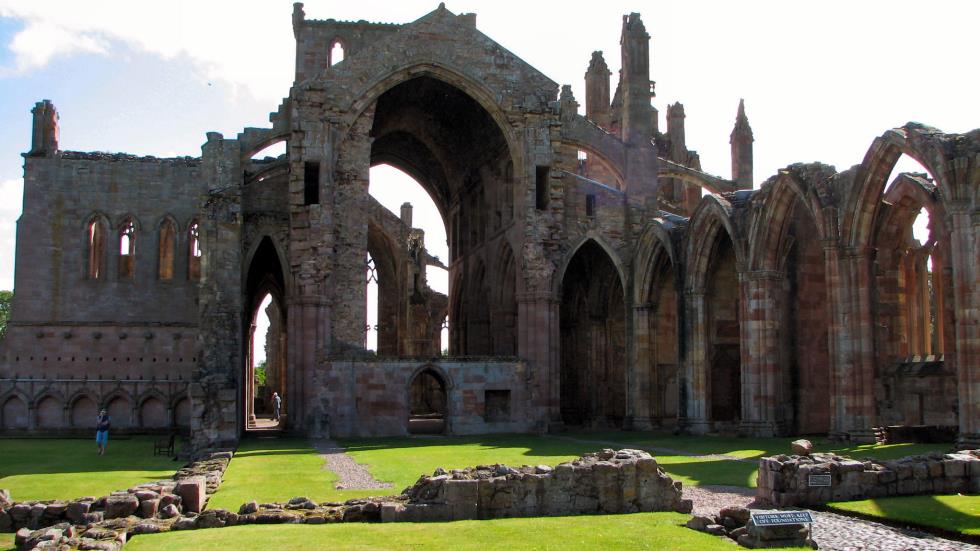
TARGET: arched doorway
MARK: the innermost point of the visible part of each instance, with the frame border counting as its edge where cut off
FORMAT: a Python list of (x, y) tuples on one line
[(428, 403), (593, 340), (264, 373), (723, 332)]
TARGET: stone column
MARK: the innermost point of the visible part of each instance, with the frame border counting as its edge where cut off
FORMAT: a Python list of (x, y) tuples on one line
[(694, 404), (964, 250), (760, 352), (642, 374), (849, 274), (539, 334), (217, 389)]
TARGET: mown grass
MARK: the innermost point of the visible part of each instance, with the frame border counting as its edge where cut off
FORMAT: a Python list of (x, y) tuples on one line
[(637, 531), (7, 542), (67, 469), (953, 513), (274, 469), (267, 470)]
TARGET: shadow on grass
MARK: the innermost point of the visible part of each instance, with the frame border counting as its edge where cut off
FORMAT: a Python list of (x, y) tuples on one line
[(929, 511), (66, 456)]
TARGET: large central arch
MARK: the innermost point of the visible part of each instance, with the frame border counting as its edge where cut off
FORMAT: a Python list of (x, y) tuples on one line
[(428, 124)]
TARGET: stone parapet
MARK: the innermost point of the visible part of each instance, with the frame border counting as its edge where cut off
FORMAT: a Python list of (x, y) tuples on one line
[(786, 481)]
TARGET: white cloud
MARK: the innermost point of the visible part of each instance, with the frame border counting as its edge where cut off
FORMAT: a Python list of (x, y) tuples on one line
[(229, 41), (41, 41)]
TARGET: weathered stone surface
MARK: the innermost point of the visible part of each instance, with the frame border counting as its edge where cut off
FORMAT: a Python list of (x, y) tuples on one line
[(801, 447), (786, 481), (121, 506), (192, 492)]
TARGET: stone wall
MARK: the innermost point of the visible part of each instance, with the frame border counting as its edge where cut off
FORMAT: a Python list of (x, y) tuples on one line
[(69, 406), (784, 480), (608, 482), (371, 397)]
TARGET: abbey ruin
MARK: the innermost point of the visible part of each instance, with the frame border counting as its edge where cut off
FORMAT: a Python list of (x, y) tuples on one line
[(598, 277)]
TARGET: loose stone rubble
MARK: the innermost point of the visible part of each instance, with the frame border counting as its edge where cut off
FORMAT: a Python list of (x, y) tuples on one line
[(104, 522), (607, 482), (784, 480)]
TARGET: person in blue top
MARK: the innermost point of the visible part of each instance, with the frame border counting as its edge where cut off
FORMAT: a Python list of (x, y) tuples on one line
[(102, 431)]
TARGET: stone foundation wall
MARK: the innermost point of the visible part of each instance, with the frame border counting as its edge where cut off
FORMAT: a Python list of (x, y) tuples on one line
[(785, 480)]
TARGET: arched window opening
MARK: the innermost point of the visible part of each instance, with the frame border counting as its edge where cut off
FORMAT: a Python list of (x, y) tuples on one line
[(444, 336), (427, 404), (96, 249), (168, 238), (336, 53), (270, 152), (407, 281), (371, 330), (194, 252), (920, 284), (127, 250)]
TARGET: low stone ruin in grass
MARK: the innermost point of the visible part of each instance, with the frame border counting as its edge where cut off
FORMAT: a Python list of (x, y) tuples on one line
[(796, 480), (104, 522)]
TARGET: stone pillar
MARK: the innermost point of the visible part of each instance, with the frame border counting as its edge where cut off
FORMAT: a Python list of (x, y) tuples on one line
[(597, 91), (964, 250), (539, 335), (760, 353), (694, 387), (217, 389), (642, 375), (849, 274)]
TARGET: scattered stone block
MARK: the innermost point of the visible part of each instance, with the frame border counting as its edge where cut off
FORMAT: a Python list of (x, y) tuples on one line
[(192, 492)]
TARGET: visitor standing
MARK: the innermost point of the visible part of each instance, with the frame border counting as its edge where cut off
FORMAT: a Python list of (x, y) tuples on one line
[(276, 404), (102, 431)]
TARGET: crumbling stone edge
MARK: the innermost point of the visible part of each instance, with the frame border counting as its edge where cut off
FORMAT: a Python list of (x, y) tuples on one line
[(606, 482)]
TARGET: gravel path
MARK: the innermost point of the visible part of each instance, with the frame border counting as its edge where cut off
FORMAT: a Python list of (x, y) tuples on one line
[(351, 475), (831, 531)]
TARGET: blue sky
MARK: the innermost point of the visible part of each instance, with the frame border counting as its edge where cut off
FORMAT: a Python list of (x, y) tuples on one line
[(820, 80)]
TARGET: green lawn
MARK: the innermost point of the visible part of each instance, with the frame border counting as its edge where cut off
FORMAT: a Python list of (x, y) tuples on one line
[(270, 469), (637, 531), (955, 513), (276, 470), (67, 469), (402, 460), (6, 542)]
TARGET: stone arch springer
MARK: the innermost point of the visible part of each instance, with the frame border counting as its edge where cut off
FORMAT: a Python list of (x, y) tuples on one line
[(712, 216), (655, 242), (922, 143), (621, 269), (794, 185)]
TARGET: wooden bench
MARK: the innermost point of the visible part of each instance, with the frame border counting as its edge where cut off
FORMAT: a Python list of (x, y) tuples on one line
[(165, 446)]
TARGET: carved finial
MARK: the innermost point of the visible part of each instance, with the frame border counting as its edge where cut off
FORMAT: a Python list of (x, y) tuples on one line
[(598, 64), (741, 121)]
